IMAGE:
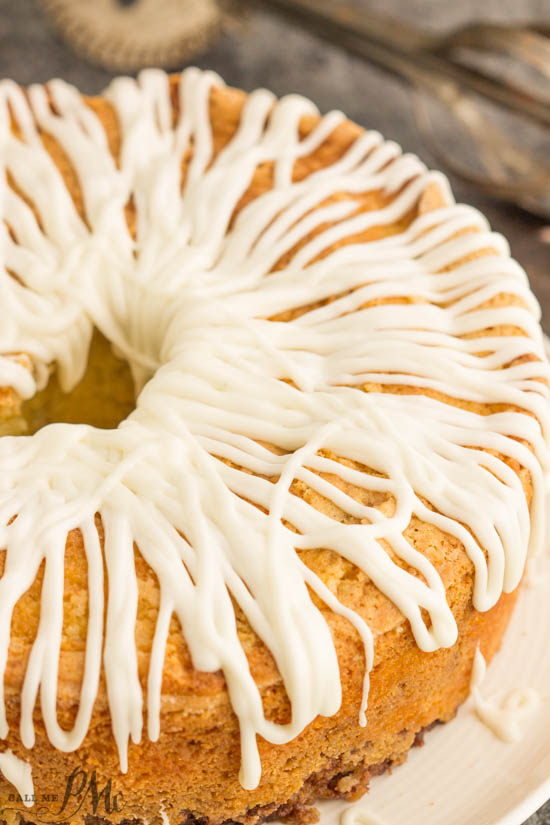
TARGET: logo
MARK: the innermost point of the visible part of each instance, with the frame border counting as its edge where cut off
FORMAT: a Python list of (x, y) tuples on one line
[(82, 790)]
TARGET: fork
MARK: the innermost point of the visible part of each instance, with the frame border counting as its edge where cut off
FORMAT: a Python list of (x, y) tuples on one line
[(434, 64)]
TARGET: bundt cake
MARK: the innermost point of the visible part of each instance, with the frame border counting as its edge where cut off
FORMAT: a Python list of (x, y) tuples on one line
[(255, 582)]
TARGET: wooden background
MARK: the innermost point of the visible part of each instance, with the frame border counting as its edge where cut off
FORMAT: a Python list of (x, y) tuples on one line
[(262, 49)]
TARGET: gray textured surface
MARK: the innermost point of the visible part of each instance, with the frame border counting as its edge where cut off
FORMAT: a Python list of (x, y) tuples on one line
[(265, 50)]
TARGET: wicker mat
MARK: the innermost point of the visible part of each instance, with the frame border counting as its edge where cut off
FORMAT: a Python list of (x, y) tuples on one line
[(125, 36)]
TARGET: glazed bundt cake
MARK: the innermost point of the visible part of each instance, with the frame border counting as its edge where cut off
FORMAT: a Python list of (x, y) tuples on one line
[(258, 583)]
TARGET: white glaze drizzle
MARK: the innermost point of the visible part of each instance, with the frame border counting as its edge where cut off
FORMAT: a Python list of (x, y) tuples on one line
[(19, 774), (358, 815), (506, 713), (186, 304)]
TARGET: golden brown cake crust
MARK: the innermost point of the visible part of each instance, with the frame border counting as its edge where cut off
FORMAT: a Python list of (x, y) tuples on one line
[(192, 771)]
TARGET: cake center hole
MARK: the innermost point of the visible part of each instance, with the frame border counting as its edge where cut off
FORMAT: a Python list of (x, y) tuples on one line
[(103, 398)]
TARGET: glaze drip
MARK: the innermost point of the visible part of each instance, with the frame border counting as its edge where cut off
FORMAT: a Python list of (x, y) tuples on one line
[(186, 301), (19, 774), (358, 815), (507, 713)]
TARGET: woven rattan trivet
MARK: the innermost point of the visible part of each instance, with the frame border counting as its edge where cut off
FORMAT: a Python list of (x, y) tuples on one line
[(125, 36)]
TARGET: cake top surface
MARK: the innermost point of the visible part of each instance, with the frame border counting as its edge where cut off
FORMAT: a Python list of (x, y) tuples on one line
[(330, 354)]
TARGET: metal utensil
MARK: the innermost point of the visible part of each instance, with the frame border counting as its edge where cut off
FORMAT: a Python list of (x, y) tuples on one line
[(434, 64)]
